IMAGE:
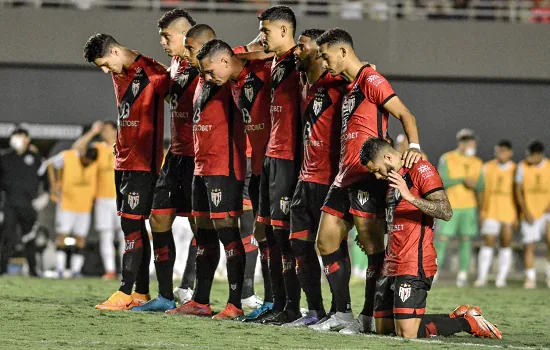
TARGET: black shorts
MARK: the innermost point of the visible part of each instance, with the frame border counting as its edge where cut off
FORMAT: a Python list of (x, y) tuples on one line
[(277, 184), (217, 196), (365, 198), (251, 191), (173, 189), (134, 193), (401, 297), (305, 210)]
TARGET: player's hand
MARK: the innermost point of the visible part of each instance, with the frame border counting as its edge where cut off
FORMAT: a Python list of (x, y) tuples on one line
[(470, 183), (529, 218), (114, 149), (33, 148), (97, 127), (411, 157), (396, 181)]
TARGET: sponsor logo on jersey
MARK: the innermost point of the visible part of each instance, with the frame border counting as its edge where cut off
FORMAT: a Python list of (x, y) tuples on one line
[(174, 102), (123, 110), (246, 116)]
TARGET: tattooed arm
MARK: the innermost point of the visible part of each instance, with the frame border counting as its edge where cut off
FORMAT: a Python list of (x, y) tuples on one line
[(435, 205)]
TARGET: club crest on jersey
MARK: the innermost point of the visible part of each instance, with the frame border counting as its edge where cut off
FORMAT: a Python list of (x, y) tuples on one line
[(278, 74), (216, 196), (285, 205), (404, 291), (317, 106), (135, 87), (174, 102), (182, 79), (133, 199), (246, 116), (249, 92), (362, 197), (124, 110)]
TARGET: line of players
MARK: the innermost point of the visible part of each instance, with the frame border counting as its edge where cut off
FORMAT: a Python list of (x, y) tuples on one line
[(307, 108)]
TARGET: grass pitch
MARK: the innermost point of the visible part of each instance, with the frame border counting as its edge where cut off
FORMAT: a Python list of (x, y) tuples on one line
[(52, 314)]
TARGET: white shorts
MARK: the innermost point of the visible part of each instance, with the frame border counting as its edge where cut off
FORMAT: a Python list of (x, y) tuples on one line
[(533, 233), (106, 215), (491, 227), (72, 223)]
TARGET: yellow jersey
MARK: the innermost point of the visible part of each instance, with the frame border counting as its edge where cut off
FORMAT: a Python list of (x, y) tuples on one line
[(105, 171), (498, 199), (454, 167), (535, 181), (78, 184)]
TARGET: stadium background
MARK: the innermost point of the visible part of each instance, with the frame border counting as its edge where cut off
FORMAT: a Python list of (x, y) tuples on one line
[(491, 76)]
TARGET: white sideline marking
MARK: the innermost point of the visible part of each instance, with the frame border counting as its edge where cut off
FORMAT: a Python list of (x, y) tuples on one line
[(179, 345)]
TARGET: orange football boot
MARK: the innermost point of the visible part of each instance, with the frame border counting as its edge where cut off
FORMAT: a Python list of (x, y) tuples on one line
[(230, 312), (460, 311), (138, 299), (117, 301), (480, 326)]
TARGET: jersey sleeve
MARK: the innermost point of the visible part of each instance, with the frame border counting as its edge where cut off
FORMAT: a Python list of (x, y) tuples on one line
[(162, 83), (240, 49), (426, 178), (519, 174), (377, 89)]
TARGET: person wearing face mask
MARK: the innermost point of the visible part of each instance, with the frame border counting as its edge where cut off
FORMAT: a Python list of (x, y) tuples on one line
[(20, 181), (73, 175), (463, 179)]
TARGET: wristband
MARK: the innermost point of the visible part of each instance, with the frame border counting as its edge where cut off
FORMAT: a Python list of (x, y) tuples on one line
[(414, 145)]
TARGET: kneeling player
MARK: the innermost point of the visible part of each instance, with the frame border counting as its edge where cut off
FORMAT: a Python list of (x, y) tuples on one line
[(414, 199)]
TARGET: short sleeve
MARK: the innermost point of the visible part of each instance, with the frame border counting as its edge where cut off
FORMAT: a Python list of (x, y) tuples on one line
[(426, 178), (519, 174), (377, 89), (162, 83)]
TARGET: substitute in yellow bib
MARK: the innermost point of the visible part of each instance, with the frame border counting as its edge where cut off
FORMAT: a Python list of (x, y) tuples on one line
[(533, 193), (75, 179), (102, 136), (462, 177), (498, 214)]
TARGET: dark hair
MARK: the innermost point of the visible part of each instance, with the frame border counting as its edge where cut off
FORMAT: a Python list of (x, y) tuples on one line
[(335, 36), (20, 130), (111, 123), (213, 47), (535, 147), (91, 153), (505, 144), (313, 33), (97, 46), (173, 15), (372, 148), (200, 30), (279, 13)]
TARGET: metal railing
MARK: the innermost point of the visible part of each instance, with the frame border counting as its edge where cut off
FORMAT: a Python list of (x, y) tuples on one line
[(497, 10)]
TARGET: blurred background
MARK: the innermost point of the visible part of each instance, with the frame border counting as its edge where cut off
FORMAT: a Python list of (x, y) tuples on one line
[(477, 64)]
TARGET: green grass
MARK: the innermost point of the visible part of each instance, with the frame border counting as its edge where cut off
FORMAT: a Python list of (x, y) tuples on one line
[(51, 314)]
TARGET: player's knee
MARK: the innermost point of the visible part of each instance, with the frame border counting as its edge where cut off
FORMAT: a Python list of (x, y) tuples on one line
[(259, 231), (327, 246), (160, 223), (80, 242), (204, 222), (407, 333), (225, 222)]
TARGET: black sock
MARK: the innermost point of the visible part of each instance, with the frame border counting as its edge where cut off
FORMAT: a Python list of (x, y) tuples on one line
[(234, 252), (142, 280), (344, 249), (264, 262), (376, 261), (208, 256), (133, 253), (335, 268), (30, 254), (309, 273), (292, 284), (251, 250), (442, 325), (190, 272), (276, 271), (165, 256)]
